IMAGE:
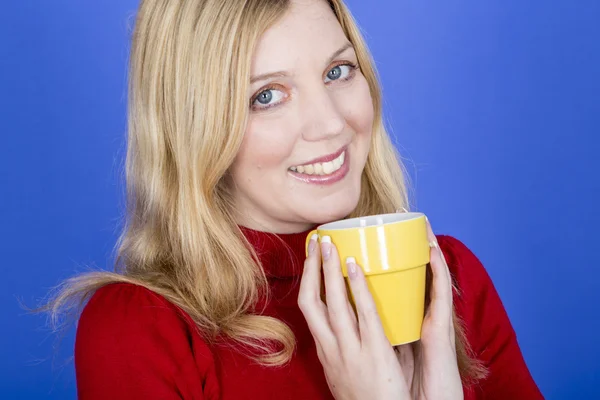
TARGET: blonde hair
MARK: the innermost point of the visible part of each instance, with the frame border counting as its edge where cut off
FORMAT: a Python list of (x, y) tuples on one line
[(188, 79)]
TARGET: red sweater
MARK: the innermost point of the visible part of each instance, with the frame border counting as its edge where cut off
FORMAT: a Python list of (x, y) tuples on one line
[(133, 344)]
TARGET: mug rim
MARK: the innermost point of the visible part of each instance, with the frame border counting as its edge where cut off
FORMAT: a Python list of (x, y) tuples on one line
[(371, 221)]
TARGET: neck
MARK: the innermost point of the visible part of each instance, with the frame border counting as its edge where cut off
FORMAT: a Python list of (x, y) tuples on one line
[(281, 255), (276, 227)]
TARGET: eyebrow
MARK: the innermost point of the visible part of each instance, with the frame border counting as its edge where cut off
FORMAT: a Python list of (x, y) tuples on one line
[(281, 74)]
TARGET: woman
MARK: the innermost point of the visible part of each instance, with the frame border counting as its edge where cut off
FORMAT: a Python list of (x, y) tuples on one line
[(250, 122)]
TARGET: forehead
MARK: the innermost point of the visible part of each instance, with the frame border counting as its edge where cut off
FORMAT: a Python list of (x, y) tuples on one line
[(308, 31)]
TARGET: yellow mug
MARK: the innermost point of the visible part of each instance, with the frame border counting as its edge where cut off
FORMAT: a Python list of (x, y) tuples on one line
[(393, 251)]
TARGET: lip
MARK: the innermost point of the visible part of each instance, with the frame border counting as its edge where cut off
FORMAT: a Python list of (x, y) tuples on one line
[(326, 158), (326, 179)]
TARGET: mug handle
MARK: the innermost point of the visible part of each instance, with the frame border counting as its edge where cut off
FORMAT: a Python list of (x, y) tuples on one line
[(308, 240)]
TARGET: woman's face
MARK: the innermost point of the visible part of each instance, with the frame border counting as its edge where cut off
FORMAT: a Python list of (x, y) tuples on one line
[(310, 123)]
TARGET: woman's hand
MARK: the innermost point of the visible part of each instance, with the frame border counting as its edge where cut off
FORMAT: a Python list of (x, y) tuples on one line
[(435, 372), (357, 358)]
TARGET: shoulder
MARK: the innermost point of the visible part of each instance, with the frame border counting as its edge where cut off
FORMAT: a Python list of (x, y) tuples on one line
[(476, 299), (489, 330), (466, 269), (127, 316), (455, 251), (122, 297), (118, 305), (141, 342)]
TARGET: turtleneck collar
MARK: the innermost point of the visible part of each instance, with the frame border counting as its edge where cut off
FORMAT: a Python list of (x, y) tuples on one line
[(282, 255)]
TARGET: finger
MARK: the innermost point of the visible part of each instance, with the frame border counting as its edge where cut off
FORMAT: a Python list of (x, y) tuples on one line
[(309, 299), (369, 324), (433, 239), (441, 290), (342, 320)]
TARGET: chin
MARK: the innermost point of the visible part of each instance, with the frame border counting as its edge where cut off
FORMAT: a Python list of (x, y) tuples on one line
[(333, 211)]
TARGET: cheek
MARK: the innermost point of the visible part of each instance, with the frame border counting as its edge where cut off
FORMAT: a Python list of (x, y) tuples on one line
[(357, 108), (265, 148)]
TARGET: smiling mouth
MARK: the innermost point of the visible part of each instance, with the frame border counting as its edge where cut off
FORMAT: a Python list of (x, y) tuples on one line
[(321, 168), (324, 171)]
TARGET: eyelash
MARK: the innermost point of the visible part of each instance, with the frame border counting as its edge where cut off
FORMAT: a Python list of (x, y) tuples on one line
[(353, 68)]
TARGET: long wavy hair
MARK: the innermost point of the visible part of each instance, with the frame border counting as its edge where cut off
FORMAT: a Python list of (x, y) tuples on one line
[(189, 72)]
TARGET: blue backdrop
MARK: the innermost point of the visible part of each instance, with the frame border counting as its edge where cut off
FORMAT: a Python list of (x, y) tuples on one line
[(495, 106)]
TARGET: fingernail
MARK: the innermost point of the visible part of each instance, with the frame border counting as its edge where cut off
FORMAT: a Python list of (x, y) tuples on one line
[(312, 244), (433, 244), (326, 247), (351, 264)]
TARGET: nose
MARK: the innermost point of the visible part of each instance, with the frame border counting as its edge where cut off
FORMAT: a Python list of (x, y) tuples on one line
[(321, 115)]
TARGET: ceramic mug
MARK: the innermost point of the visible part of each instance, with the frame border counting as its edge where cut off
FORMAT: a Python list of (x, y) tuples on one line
[(393, 251)]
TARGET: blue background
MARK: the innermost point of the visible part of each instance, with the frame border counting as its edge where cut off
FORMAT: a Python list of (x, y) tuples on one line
[(495, 105)]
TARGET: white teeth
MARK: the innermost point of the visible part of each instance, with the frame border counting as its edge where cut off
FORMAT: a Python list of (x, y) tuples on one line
[(337, 163), (325, 168)]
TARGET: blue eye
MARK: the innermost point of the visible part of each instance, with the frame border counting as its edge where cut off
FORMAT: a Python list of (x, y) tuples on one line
[(268, 98), (265, 97), (339, 72)]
